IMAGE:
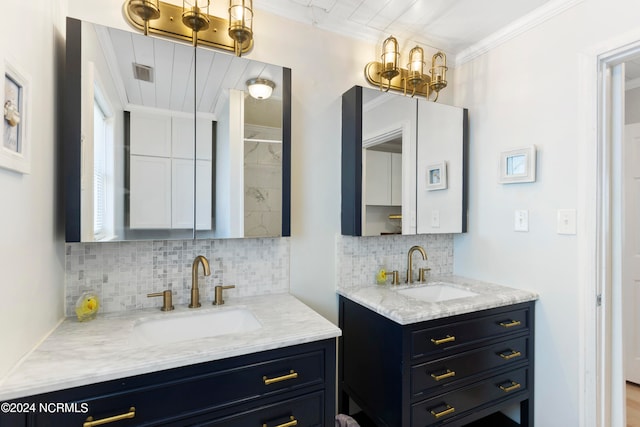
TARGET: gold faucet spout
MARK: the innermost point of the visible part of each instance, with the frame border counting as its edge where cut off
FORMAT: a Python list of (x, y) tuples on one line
[(410, 262), (195, 292)]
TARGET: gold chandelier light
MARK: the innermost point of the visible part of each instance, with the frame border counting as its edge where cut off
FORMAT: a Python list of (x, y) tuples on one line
[(192, 22), (387, 74)]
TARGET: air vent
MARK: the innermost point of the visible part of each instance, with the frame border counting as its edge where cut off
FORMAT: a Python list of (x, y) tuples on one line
[(143, 72)]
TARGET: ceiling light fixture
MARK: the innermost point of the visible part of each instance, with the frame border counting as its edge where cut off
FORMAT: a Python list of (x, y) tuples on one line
[(387, 74), (260, 88), (192, 22)]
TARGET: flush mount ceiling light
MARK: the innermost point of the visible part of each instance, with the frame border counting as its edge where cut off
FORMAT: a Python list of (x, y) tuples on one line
[(260, 88), (192, 22), (387, 74)]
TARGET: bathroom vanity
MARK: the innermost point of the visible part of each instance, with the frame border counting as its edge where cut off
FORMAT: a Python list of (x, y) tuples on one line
[(414, 363), (281, 373)]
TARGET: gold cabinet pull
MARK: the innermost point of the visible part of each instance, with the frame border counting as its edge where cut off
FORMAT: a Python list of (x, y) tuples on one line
[(91, 423), (291, 375), (450, 410), (514, 386), (447, 374), (510, 324), (511, 355), (291, 423), (444, 340)]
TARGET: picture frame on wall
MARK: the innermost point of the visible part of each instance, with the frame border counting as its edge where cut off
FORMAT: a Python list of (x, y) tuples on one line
[(15, 149), (437, 176), (518, 165)]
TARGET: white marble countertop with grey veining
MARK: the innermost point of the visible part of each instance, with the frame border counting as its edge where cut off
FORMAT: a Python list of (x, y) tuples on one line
[(81, 353), (387, 301)]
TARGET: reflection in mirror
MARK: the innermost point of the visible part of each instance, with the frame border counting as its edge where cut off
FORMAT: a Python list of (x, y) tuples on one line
[(147, 166), (388, 139)]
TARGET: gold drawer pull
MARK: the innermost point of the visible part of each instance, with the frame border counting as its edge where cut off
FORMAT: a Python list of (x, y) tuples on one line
[(291, 375), (510, 324), (445, 340), (511, 355), (514, 386), (450, 410), (91, 423), (291, 423), (447, 374)]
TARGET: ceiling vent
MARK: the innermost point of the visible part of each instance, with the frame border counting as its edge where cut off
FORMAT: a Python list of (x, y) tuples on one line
[(143, 72)]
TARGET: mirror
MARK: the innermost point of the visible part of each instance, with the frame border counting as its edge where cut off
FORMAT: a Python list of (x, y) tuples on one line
[(163, 141), (403, 165)]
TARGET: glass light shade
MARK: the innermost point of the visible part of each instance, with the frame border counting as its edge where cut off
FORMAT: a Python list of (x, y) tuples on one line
[(415, 67), (241, 20), (260, 88), (390, 55), (438, 71)]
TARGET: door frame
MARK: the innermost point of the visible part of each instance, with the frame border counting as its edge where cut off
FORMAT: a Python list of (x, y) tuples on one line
[(602, 109)]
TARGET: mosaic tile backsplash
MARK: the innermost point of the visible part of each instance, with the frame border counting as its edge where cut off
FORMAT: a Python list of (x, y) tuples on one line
[(123, 273), (358, 259)]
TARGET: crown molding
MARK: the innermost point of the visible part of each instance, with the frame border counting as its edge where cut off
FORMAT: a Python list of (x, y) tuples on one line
[(527, 22)]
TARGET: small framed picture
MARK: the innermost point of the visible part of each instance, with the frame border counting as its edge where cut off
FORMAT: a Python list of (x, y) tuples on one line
[(437, 176), (15, 149), (518, 165)]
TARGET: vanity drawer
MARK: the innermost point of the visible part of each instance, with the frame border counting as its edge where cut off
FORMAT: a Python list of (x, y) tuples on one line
[(197, 393), (426, 377), (436, 340), (304, 411), (458, 402)]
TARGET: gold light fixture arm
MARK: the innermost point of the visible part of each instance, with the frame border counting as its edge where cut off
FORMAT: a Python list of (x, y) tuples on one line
[(170, 24)]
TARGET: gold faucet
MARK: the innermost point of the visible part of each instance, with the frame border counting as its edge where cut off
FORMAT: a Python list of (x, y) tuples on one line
[(410, 263), (195, 292)]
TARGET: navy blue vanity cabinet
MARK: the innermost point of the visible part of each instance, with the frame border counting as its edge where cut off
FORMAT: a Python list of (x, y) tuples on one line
[(283, 387), (455, 371)]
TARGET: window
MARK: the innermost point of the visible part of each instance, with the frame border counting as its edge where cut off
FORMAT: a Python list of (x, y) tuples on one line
[(103, 179)]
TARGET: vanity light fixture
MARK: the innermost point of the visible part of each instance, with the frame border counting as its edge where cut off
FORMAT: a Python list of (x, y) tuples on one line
[(192, 22), (260, 88), (388, 75)]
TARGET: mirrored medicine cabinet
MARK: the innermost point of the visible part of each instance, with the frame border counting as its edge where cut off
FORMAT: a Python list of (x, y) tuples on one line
[(404, 165), (162, 141)]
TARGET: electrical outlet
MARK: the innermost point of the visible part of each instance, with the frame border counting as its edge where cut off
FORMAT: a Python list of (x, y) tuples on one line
[(521, 220)]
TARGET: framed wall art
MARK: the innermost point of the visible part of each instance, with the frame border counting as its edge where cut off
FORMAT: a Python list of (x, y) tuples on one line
[(437, 176), (518, 165), (15, 149)]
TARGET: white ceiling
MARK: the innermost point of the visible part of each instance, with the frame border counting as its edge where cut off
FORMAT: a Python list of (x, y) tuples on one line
[(449, 25)]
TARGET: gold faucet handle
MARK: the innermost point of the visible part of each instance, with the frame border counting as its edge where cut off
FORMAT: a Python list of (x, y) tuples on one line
[(423, 274), (218, 300), (167, 299), (395, 277)]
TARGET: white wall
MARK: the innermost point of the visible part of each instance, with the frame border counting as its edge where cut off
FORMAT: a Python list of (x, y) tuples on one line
[(31, 240), (527, 91)]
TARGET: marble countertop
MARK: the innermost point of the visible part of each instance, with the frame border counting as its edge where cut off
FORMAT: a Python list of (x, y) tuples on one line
[(77, 354), (385, 300)]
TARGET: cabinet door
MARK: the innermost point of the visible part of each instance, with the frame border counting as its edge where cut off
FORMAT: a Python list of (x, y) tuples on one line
[(378, 178), (182, 193), (204, 196), (149, 192), (150, 134), (182, 138)]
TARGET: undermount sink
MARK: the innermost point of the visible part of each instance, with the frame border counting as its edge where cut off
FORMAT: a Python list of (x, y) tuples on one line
[(192, 326), (436, 292)]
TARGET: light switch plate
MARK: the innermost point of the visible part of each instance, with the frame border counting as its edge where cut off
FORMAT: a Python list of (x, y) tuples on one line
[(567, 221), (521, 220)]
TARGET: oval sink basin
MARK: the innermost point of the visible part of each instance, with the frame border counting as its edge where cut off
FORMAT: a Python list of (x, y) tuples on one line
[(192, 326), (436, 292)]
